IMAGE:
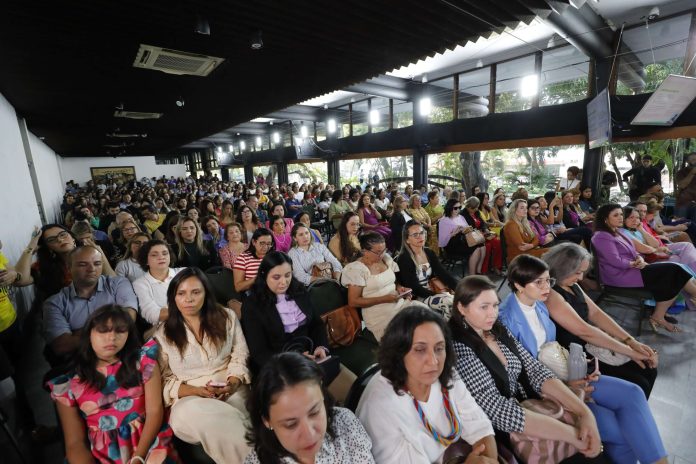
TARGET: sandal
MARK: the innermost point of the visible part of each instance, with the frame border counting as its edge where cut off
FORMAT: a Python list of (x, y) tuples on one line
[(655, 324)]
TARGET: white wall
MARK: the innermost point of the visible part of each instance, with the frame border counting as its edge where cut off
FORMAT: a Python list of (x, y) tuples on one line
[(78, 168), (48, 174), (20, 212)]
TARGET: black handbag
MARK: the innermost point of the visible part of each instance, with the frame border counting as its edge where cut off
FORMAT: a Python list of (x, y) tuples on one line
[(331, 365)]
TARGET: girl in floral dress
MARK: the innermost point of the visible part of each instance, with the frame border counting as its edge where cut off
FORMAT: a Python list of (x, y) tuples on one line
[(114, 396)]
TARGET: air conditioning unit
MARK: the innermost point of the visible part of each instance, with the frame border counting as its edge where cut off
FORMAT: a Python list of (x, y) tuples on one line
[(175, 61), (136, 115)]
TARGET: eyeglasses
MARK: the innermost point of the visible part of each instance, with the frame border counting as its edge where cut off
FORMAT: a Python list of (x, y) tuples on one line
[(542, 283), (264, 244), (422, 233), (130, 229), (456, 208), (55, 238)]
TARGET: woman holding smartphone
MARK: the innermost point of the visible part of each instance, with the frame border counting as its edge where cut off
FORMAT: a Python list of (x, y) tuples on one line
[(452, 230)]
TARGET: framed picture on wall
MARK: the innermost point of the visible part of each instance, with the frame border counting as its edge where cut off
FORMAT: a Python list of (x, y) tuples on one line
[(113, 175)]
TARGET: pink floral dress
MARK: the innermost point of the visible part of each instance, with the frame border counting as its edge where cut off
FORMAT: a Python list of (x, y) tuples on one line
[(115, 416)]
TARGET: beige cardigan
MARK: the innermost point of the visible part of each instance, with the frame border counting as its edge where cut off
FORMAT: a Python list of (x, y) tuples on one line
[(202, 363)]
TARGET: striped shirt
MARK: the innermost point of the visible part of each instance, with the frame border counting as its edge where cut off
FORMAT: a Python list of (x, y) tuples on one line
[(247, 263)]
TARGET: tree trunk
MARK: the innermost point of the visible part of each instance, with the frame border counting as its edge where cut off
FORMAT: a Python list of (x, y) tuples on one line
[(618, 173), (272, 172), (471, 171)]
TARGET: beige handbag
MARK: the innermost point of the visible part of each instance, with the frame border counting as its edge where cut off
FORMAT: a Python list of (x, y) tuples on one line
[(474, 238), (555, 357)]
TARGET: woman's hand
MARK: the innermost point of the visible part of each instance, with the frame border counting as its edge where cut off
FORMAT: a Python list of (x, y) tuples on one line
[(35, 236), (222, 393), (526, 246), (475, 457), (548, 239), (581, 385), (648, 355), (319, 353), (590, 444), (7, 278)]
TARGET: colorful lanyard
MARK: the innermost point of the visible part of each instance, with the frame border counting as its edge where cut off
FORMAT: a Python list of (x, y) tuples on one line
[(451, 417)]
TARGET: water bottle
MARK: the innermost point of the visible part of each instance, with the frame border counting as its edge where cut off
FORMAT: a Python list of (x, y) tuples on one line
[(577, 363)]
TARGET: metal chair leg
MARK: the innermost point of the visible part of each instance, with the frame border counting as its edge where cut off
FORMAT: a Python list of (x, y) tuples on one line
[(11, 437)]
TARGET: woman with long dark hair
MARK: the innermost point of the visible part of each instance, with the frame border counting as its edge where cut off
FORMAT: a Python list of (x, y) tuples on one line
[(204, 368), (345, 244), (294, 420), (50, 273), (416, 406), (113, 397)]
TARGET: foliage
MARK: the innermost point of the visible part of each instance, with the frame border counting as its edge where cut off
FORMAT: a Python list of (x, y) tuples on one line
[(564, 92), (308, 172)]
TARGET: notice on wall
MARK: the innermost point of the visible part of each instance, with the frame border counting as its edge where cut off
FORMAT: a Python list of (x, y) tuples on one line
[(599, 120), (668, 102)]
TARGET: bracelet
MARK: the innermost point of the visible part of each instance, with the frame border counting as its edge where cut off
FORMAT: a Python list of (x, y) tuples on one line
[(29, 250), (18, 278), (626, 340), (132, 460)]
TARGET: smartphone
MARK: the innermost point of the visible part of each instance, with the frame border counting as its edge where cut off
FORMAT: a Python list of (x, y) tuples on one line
[(324, 359), (217, 384), (407, 292), (593, 369)]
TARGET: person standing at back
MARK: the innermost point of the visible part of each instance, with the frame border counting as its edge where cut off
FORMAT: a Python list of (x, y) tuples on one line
[(644, 176), (686, 197)]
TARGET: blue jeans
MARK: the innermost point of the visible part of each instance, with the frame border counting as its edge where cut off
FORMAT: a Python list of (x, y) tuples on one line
[(625, 423)]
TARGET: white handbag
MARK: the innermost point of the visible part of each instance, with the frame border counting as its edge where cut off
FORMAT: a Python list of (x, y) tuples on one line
[(606, 355), (555, 357)]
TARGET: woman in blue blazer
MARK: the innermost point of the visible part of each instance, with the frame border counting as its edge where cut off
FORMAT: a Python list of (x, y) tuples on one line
[(625, 423)]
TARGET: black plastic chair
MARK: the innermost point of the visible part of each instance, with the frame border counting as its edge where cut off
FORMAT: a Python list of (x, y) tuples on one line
[(327, 295), (503, 250), (222, 280), (608, 291), (193, 454), (358, 387)]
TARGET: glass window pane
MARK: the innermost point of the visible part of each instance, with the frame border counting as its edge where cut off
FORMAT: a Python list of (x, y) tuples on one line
[(395, 167), (474, 89), (657, 51), (236, 174), (564, 74), (510, 78), (441, 94), (343, 122), (380, 109), (305, 173), (403, 114), (360, 118), (537, 169), (268, 171), (321, 130)]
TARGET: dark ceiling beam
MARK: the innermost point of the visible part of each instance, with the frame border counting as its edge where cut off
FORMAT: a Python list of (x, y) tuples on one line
[(584, 31), (379, 90)]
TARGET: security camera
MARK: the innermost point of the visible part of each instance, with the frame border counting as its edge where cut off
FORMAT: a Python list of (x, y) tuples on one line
[(654, 13)]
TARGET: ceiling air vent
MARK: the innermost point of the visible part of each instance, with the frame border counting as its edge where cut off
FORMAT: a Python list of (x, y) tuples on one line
[(174, 61), (136, 115)]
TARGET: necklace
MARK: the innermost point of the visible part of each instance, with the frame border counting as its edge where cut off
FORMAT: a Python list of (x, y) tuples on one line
[(451, 417)]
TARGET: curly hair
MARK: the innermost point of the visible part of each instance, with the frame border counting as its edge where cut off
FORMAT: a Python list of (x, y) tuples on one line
[(397, 342)]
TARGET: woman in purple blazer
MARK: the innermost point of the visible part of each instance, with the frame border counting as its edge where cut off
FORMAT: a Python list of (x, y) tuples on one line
[(620, 265)]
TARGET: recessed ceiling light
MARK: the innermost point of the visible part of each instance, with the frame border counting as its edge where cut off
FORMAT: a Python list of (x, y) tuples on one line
[(256, 41)]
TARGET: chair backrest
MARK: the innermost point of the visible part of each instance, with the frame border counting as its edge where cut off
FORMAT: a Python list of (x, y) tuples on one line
[(327, 295), (503, 246), (222, 280), (358, 387), (595, 264)]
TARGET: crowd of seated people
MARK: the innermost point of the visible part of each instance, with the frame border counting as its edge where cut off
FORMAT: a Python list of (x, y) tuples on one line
[(451, 370)]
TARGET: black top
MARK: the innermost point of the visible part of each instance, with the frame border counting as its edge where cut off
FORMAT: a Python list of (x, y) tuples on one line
[(576, 299), (643, 177), (470, 220), (409, 278), (265, 333), (396, 224), (194, 258)]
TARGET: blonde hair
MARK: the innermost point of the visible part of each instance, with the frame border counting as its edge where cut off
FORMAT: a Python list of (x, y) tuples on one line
[(198, 240), (523, 223), (412, 198)]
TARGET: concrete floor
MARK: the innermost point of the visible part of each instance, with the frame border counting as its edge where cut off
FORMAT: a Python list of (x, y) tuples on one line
[(672, 400)]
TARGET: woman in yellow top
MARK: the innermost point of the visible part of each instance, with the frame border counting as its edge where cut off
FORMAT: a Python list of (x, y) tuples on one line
[(487, 213), (417, 212), (435, 212)]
